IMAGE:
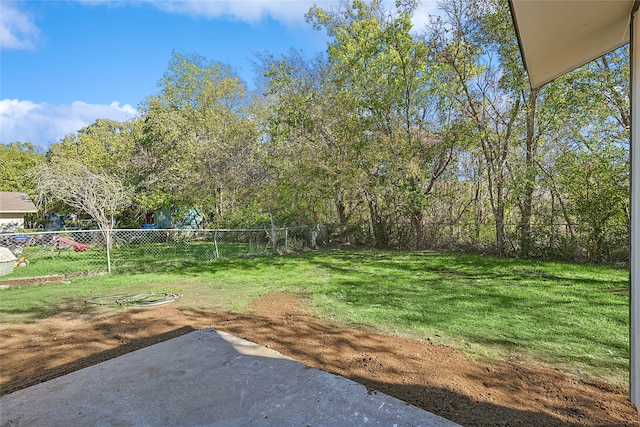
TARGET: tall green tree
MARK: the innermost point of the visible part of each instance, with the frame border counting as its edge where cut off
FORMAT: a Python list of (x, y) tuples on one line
[(16, 159), (314, 142), (105, 146), (379, 63), (495, 33), (474, 78), (590, 165), (520, 133), (596, 184), (197, 137)]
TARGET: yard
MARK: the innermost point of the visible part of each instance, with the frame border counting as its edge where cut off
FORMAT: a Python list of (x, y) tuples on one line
[(478, 340)]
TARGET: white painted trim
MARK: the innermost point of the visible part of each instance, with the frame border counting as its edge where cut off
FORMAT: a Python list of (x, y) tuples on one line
[(634, 261)]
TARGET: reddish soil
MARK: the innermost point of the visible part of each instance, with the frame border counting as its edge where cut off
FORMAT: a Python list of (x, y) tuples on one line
[(434, 377)]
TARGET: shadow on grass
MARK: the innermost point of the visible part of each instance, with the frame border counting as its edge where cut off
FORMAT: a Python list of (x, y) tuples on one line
[(196, 267), (452, 265)]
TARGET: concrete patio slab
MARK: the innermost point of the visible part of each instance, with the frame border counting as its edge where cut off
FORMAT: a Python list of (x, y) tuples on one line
[(206, 378)]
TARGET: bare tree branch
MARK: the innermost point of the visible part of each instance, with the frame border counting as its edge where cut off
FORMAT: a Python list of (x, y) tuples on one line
[(100, 196)]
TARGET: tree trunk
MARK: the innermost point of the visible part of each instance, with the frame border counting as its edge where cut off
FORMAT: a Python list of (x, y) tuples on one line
[(417, 219), (343, 218), (526, 204), (377, 226), (499, 220), (495, 188)]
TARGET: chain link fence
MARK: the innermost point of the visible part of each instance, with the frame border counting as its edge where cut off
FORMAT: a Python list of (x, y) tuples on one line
[(76, 252), (554, 241)]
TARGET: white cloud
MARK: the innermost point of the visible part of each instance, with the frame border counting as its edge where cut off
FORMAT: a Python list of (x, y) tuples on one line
[(17, 29), (43, 124), (289, 12)]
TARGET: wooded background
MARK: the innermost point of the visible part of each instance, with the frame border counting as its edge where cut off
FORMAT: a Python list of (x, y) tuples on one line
[(395, 136)]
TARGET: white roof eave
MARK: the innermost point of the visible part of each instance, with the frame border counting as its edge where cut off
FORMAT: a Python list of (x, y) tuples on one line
[(559, 36)]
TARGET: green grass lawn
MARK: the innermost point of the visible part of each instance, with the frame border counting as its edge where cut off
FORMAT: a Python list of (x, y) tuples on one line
[(573, 316), (48, 262), (129, 258)]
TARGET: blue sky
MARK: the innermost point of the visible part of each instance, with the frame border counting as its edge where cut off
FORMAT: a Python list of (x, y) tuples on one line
[(64, 64)]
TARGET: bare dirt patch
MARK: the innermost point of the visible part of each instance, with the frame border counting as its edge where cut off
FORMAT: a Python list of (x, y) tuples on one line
[(436, 378)]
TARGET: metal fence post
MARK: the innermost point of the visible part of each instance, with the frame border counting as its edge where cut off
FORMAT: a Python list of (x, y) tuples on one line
[(215, 243), (108, 241)]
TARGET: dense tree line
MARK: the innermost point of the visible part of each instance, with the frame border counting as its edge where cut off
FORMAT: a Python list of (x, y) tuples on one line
[(399, 136)]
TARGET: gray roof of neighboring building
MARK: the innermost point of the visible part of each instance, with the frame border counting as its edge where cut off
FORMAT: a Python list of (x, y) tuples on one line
[(13, 202)]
